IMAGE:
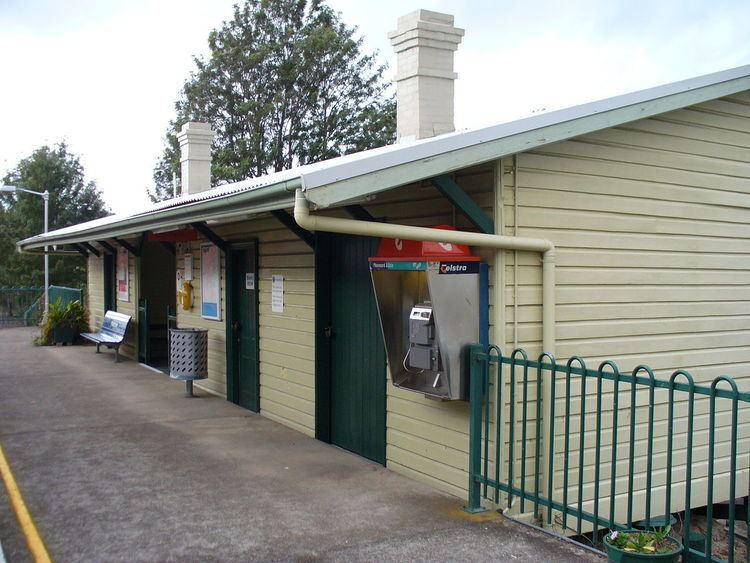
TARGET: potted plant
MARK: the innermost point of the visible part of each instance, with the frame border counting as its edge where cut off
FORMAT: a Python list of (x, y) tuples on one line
[(649, 545), (64, 323)]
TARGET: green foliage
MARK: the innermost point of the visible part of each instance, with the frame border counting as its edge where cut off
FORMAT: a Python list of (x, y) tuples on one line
[(286, 83), (72, 200), (73, 315), (653, 541)]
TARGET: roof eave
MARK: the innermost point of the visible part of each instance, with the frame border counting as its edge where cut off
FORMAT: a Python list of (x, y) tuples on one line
[(325, 192), (259, 200)]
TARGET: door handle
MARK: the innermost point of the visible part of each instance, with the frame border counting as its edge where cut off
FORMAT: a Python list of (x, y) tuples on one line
[(328, 332), (236, 326)]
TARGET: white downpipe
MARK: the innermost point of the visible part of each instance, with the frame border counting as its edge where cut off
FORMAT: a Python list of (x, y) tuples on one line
[(499, 242)]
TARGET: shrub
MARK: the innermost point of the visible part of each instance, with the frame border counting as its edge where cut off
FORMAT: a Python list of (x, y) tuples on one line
[(73, 315)]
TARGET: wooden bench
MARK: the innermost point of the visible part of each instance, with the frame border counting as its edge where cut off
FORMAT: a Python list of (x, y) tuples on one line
[(112, 333)]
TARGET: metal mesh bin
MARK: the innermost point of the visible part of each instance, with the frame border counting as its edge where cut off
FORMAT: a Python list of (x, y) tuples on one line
[(188, 355)]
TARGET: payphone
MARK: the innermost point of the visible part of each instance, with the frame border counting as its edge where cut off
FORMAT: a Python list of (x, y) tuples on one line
[(433, 302)]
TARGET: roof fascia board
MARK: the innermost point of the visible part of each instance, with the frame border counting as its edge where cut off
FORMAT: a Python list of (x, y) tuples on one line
[(260, 200), (382, 178)]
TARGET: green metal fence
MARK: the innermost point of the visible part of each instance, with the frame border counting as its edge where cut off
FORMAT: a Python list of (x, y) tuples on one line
[(14, 302), (24, 306), (586, 450), (64, 294)]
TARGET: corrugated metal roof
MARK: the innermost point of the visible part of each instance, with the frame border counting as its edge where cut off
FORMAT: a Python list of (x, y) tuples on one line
[(348, 177), (438, 155), (218, 192)]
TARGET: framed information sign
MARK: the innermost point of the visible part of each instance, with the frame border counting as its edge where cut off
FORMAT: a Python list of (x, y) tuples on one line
[(123, 290), (210, 282)]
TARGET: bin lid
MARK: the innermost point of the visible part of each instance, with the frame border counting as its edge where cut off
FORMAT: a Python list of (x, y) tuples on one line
[(399, 249), (188, 330)]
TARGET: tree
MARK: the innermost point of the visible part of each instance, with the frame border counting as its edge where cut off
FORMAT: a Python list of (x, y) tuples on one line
[(286, 83), (72, 200)]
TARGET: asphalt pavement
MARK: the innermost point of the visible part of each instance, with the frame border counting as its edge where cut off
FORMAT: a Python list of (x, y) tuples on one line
[(116, 465)]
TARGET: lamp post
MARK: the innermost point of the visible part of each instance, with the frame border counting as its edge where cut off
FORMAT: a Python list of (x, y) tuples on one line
[(45, 196)]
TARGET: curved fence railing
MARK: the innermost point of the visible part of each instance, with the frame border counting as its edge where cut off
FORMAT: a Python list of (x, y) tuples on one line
[(583, 451)]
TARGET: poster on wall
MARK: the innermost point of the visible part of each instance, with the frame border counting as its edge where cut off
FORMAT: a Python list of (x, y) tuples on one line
[(210, 282), (188, 267), (123, 293), (277, 294)]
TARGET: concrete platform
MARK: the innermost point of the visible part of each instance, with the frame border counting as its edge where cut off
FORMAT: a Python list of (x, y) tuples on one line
[(115, 465)]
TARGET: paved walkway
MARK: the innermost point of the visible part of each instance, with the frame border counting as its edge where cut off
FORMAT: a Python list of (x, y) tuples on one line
[(114, 465)]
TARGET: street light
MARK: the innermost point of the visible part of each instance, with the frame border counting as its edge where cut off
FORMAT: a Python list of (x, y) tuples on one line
[(45, 196)]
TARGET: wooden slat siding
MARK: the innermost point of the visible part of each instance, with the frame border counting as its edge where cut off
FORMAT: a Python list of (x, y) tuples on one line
[(651, 222), (192, 318), (286, 340), (428, 440), (95, 291), (128, 348)]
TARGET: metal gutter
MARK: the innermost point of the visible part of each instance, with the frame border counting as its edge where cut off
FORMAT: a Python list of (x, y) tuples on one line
[(352, 177), (54, 252), (258, 200), (408, 232)]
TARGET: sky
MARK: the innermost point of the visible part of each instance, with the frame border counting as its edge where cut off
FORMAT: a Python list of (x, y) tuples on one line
[(103, 76)]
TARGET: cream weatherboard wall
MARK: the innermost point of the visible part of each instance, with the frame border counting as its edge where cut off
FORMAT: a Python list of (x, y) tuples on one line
[(651, 221), (130, 307), (95, 299), (216, 382), (286, 340), (428, 440), (95, 291)]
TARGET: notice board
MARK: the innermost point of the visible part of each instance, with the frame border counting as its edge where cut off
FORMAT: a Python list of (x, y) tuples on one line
[(210, 282), (123, 290)]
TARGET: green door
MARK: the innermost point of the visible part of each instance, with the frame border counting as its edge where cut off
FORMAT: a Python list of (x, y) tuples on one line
[(144, 332), (352, 347), (244, 328), (109, 283)]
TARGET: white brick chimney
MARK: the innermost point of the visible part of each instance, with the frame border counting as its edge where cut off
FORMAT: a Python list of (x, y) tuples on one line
[(424, 43), (195, 156)]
